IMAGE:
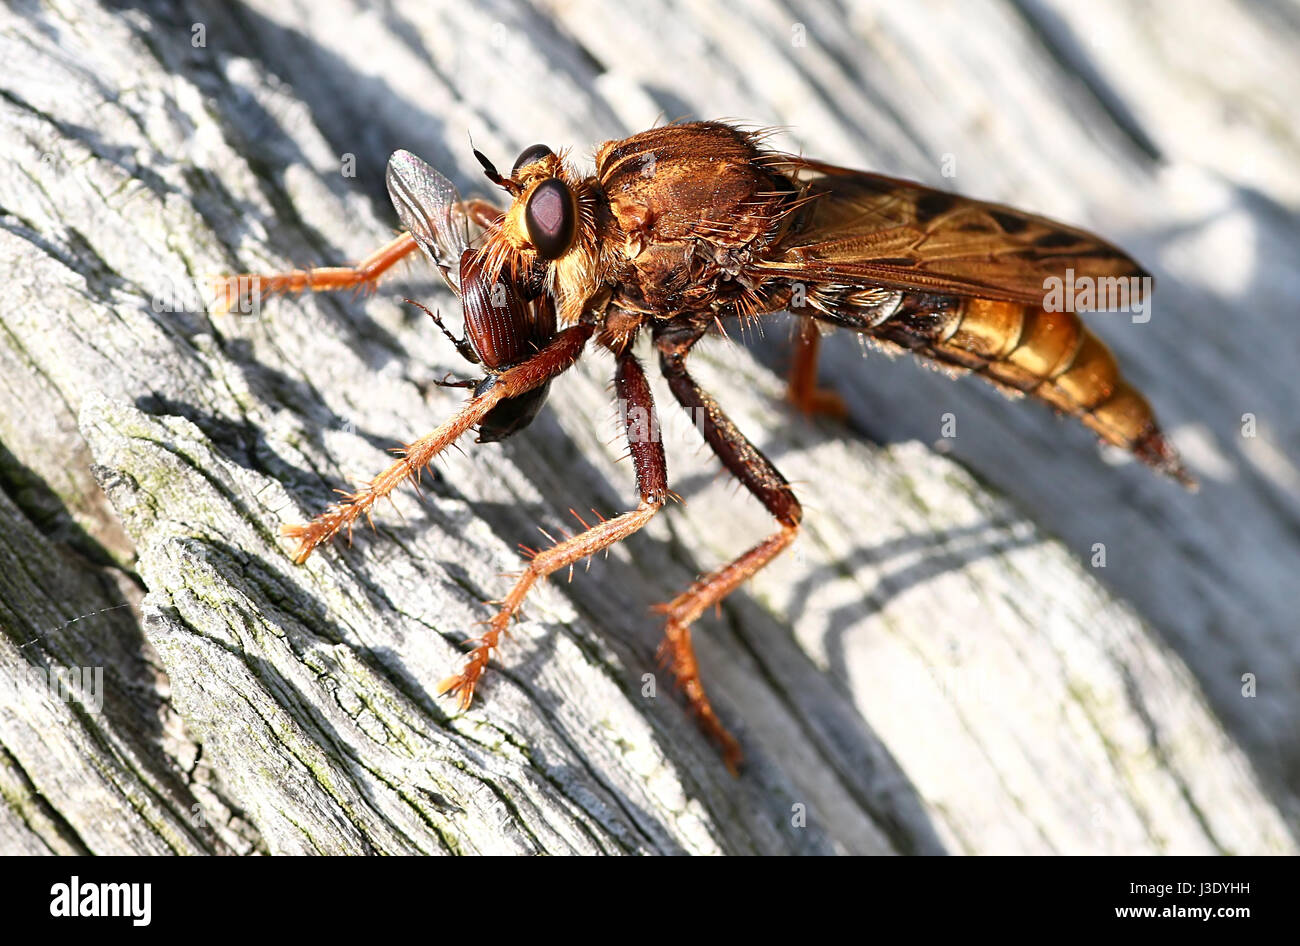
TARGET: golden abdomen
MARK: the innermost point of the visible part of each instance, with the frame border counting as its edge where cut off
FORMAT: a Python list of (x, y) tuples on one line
[(1051, 356)]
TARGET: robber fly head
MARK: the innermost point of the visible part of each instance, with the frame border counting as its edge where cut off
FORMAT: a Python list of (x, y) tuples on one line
[(544, 217), (547, 236)]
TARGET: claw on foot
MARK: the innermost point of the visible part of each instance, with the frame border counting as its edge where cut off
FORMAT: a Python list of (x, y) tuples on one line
[(677, 653), (462, 684)]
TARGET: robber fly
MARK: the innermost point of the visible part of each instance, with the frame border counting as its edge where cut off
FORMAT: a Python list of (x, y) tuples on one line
[(685, 227)]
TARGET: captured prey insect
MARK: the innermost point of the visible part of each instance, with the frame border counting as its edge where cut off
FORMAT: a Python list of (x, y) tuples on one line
[(682, 228), (504, 324)]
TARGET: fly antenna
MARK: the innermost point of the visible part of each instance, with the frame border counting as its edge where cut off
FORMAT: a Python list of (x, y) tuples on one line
[(492, 173)]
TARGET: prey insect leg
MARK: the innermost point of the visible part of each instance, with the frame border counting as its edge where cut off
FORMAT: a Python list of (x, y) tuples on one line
[(803, 391), (652, 483), (230, 290), (761, 478), (555, 358)]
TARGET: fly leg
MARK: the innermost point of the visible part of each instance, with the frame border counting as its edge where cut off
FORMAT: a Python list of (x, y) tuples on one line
[(462, 344), (556, 357), (761, 478), (482, 212), (231, 291), (803, 392), (652, 483)]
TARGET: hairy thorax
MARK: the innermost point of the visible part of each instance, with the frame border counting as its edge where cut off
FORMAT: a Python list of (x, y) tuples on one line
[(687, 214)]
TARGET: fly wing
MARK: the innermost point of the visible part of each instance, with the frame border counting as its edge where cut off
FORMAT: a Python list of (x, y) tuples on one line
[(871, 229), (429, 206)]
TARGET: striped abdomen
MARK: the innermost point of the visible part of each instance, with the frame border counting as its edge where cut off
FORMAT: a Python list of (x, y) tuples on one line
[(1025, 349)]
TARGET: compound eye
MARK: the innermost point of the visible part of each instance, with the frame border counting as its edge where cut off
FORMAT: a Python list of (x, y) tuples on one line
[(551, 216), (528, 156)]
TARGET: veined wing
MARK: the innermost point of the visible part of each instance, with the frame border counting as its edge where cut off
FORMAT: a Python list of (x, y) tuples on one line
[(429, 206), (880, 230)]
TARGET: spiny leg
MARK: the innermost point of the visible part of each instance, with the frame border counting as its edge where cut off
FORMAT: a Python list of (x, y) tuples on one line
[(761, 478), (803, 391), (652, 482), (231, 290), (556, 357)]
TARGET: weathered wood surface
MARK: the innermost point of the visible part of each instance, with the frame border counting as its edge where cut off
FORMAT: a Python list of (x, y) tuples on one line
[(936, 667)]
